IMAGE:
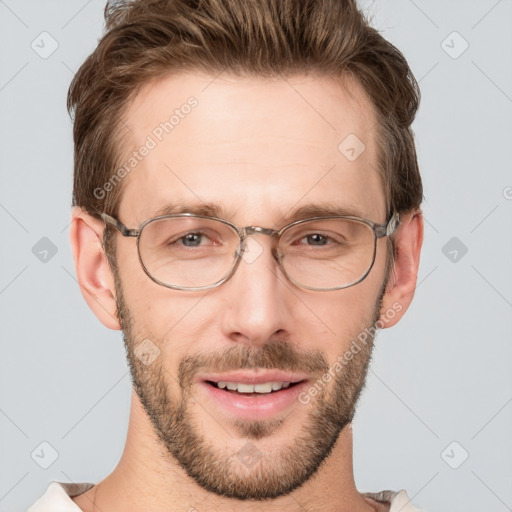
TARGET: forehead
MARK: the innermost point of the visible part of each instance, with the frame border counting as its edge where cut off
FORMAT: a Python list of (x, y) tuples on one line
[(257, 147)]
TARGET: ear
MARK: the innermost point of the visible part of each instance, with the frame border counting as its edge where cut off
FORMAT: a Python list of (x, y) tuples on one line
[(93, 272), (403, 276)]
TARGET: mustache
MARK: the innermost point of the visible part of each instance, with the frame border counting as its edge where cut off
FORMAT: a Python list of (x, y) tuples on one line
[(272, 355)]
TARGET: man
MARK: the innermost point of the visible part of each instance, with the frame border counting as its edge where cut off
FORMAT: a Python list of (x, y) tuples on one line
[(246, 210)]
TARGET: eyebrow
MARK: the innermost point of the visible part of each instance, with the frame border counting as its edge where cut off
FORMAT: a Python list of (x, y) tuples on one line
[(209, 209)]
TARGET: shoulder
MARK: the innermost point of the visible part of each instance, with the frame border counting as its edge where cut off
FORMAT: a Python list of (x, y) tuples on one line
[(58, 496), (398, 501)]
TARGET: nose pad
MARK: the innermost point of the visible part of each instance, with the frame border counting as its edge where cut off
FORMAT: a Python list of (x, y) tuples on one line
[(277, 254), (250, 250)]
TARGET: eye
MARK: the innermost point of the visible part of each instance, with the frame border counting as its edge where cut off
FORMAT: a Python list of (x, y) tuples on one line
[(326, 239), (192, 239), (315, 239)]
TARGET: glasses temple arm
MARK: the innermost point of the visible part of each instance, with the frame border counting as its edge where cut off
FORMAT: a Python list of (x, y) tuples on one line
[(119, 225), (390, 227)]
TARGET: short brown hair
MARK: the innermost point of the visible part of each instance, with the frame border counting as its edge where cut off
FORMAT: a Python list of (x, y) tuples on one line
[(147, 39)]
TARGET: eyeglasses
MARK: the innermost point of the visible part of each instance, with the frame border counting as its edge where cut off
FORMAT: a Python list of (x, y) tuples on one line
[(195, 252)]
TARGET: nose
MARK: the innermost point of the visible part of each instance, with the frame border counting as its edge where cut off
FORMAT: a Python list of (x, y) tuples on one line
[(257, 298)]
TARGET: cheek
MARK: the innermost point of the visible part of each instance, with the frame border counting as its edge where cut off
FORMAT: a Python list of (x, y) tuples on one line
[(148, 302), (173, 320), (331, 321)]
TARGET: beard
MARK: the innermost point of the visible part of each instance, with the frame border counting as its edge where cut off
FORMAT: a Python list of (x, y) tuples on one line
[(248, 473)]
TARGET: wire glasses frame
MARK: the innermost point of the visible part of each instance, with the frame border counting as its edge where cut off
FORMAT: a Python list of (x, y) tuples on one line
[(379, 231)]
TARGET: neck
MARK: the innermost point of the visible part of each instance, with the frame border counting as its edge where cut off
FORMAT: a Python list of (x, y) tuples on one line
[(148, 477)]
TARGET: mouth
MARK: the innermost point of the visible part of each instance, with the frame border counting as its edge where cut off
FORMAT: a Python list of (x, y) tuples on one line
[(241, 388), (251, 394)]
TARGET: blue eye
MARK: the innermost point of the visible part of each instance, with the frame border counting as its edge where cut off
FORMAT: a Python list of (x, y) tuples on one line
[(316, 239), (192, 239)]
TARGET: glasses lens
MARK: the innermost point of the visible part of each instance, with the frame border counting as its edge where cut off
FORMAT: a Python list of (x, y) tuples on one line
[(327, 253), (188, 251)]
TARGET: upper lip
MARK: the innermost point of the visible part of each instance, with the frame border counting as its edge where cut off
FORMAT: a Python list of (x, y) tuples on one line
[(254, 377)]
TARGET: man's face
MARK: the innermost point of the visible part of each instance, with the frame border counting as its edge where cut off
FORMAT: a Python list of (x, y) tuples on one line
[(259, 149)]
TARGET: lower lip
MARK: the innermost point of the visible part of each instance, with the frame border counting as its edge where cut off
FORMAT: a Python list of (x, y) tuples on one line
[(255, 406)]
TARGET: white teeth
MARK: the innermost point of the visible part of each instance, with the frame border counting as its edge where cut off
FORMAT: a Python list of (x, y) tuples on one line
[(263, 388), (266, 387), (245, 388)]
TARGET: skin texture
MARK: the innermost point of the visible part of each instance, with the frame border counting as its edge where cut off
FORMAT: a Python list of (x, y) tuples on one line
[(259, 148)]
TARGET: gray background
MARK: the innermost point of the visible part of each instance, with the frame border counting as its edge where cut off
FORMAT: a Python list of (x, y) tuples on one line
[(440, 386)]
